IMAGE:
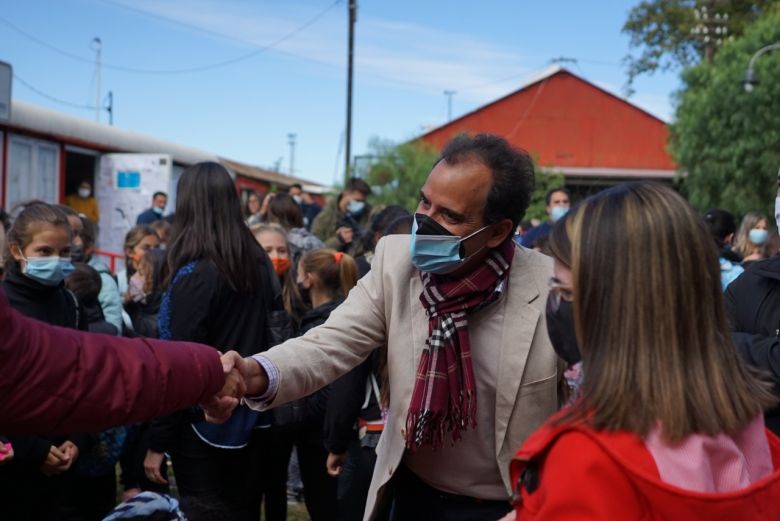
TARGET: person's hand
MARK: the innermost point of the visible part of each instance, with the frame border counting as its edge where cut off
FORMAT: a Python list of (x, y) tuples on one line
[(55, 459), (219, 407), (266, 203), (512, 516), (71, 452), (345, 234), (6, 452), (130, 493), (335, 463), (152, 463), (255, 378)]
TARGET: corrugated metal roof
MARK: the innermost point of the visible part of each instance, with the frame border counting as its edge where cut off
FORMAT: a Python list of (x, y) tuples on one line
[(256, 172), (64, 126)]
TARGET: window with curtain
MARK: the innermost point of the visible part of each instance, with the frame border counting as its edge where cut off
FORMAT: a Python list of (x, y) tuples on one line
[(33, 171)]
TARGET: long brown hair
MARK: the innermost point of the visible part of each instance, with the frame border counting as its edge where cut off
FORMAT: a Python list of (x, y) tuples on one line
[(650, 320), (337, 271)]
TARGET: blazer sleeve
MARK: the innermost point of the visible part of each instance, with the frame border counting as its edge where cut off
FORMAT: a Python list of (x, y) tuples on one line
[(57, 380), (353, 330)]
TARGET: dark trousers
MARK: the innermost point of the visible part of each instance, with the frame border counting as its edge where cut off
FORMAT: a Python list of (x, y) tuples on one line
[(415, 500), (216, 477), (88, 498), (319, 487), (270, 455), (354, 482)]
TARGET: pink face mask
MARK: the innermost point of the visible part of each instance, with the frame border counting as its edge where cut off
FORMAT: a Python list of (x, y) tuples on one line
[(136, 288)]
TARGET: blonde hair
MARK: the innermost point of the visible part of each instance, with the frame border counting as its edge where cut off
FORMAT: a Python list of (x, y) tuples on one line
[(742, 244), (650, 320), (337, 271), (291, 298)]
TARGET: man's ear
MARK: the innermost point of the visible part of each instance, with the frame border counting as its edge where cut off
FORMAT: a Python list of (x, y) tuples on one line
[(499, 232)]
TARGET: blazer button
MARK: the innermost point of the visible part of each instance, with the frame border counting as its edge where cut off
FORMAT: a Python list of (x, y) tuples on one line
[(390, 471), (403, 433)]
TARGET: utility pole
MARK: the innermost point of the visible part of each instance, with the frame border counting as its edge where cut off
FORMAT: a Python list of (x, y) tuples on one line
[(110, 108), (449, 94), (291, 141), (98, 47), (352, 6)]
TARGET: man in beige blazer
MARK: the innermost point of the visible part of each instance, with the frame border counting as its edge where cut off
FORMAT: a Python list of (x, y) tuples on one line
[(473, 199)]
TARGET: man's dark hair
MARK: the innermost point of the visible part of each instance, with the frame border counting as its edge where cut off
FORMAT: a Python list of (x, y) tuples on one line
[(355, 184), (159, 193), (512, 169), (299, 186), (549, 194)]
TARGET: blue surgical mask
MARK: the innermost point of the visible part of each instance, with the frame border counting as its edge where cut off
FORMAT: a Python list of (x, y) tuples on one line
[(434, 249), (356, 207), (158, 211), (49, 271), (558, 212), (758, 237)]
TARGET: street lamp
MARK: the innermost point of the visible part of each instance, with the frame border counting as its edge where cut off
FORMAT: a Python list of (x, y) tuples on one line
[(750, 80)]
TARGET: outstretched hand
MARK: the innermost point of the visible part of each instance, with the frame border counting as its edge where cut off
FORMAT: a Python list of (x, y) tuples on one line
[(243, 376), (219, 407)]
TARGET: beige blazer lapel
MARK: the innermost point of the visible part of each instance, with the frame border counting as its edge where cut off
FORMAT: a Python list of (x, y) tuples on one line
[(419, 321), (520, 322)]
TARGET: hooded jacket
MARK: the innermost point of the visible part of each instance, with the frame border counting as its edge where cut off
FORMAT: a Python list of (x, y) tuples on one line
[(571, 472)]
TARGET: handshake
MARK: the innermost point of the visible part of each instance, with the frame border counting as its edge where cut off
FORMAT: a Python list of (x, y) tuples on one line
[(243, 377)]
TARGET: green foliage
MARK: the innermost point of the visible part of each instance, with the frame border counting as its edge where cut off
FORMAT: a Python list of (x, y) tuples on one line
[(726, 139), (663, 31), (399, 171), (545, 181)]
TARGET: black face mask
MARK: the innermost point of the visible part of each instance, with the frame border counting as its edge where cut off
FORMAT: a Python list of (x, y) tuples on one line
[(560, 328), (76, 253), (428, 226)]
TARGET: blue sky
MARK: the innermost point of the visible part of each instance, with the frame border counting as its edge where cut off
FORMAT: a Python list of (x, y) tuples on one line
[(294, 78)]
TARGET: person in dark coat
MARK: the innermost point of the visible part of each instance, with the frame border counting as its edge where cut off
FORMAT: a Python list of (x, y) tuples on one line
[(753, 312), (328, 276), (39, 242), (156, 212), (218, 292)]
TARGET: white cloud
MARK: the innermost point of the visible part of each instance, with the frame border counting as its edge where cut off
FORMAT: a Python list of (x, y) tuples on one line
[(389, 53)]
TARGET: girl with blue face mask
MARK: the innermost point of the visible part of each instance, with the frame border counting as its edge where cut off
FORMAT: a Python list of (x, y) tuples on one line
[(752, 236), (37, 262)]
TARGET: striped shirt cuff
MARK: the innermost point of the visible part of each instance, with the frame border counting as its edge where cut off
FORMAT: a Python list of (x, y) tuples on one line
[(273, 380)]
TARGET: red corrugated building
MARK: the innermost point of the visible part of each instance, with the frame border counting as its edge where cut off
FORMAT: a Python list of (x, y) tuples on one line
[(573, 127)]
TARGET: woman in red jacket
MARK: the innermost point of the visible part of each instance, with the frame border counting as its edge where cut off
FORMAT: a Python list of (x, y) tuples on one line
[(668, 423)]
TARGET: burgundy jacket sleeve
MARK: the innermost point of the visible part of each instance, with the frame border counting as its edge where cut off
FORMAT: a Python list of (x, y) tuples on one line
[(55, 380)]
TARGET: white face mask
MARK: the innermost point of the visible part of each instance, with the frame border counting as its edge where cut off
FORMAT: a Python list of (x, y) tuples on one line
[(84, 192)]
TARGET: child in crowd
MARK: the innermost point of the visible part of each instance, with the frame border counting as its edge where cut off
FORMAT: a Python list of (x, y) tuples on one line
[(32, 486)]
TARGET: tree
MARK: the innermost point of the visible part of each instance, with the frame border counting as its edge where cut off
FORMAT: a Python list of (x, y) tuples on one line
[(546, 180), (725, 139), (675, 34), (399, 171)]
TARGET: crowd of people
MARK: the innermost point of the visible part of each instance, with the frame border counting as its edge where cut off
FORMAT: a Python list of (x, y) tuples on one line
[(617, 361)]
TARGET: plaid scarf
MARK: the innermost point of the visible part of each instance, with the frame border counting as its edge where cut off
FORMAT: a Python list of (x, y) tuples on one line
[(445, 391)]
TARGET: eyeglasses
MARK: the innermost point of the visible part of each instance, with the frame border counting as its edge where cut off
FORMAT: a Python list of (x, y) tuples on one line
[(559, 292)]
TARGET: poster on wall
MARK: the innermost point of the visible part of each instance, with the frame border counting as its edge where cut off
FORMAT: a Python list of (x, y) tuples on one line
[(124, 188)]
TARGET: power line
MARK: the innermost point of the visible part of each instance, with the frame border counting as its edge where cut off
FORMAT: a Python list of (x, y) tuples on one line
[(186, 70), (53, 98)]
